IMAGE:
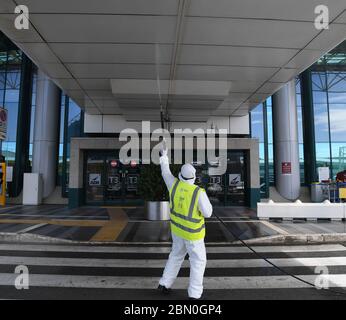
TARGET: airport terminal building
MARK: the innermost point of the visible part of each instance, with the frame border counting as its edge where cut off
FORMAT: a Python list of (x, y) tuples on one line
[(279, 89)]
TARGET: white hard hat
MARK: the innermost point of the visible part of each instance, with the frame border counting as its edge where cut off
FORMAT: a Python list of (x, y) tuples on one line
[(187, 172)]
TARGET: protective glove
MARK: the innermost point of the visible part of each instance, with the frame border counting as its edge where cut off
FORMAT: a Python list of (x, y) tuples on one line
[(164, 150)]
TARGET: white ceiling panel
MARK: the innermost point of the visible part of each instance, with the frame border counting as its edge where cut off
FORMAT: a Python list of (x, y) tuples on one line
[(240, 32), (17, 36), (284, 75), (55, 70), (7, 6), (221, 73), (341, 18), (230, 105), (112, 53), (95, 84), (304, 58), (237, 97), (76, 94), (191, 112), (236, 56), (194, 118), (270, 87), (245, 86), (105, 103), (67, 84), (99, 94), (265, 9), (158, 7), (328, 39), (94, 111), (40, 52), (195, 104), (240, 49), (138, 103), (105, 28), (117, 71)]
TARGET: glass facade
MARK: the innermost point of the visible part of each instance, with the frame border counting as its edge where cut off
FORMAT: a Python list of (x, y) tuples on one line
[(71, 125), (328, 79), (261, 119), (10, 78), (329, 100), (11, 88)]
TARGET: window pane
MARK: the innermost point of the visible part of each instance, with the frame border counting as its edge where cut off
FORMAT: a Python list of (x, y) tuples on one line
[(321, 123), (257, 130)]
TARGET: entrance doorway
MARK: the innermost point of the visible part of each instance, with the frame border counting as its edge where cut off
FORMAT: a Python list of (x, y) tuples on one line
[(109, 182), (227, 189)]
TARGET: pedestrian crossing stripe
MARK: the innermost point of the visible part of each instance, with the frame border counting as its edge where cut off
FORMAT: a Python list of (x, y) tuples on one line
[(61, 270)]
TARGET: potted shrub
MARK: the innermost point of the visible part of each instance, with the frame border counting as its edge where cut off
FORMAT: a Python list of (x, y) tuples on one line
[(154, 192)]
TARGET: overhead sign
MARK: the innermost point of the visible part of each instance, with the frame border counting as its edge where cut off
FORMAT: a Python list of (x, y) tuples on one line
[(286, 168), (3, 123)]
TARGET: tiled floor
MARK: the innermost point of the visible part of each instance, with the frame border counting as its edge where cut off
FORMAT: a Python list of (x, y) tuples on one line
[(129, 224)]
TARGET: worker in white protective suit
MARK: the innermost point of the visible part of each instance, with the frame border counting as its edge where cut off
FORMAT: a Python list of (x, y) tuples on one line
[(189, 205)]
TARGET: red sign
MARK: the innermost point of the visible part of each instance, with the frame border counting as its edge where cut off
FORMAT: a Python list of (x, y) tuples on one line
[(114, 163), (286, 168), (133, 163)]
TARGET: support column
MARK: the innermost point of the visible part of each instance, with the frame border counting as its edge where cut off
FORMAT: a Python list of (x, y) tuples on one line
[(285, 136), (308, 129), (44, 159)]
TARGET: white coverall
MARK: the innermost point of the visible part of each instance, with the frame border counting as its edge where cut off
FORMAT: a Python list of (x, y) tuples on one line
[(195, 249)]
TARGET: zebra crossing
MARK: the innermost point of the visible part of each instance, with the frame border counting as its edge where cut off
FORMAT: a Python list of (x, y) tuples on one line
[(132, 272)]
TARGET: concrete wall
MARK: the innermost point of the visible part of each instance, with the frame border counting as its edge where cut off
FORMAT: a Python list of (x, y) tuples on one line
[(79, 145), (116, 123)]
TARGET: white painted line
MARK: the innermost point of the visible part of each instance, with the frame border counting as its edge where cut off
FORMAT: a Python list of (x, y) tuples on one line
[(211, 283), (158, 249), (273, 227), (160, 263), (31, 228)]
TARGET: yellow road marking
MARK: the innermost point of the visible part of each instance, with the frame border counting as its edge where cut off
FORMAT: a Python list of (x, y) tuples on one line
[(273, 227), (111, 230)]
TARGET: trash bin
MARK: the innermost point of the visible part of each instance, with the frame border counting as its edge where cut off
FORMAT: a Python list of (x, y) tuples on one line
[(319, 192)]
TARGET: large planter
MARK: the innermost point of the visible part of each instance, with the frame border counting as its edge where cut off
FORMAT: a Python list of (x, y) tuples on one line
[(157, 210)]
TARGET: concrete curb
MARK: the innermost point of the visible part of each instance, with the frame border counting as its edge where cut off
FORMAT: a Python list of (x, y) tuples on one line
[(318, 238)]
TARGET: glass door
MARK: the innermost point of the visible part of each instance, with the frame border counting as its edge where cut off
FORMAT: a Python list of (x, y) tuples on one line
[(227, 189), (94, 178), (109, 182), (236, 178), (114, 179)]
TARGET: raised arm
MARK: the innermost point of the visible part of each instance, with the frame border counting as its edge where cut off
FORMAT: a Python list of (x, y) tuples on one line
[(165, 171)]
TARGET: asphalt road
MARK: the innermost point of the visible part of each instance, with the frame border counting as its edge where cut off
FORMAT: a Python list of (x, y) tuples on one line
[(133, 272)]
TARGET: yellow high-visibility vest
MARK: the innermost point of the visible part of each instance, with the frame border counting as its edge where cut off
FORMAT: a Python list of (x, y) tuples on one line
[(187, 221)]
